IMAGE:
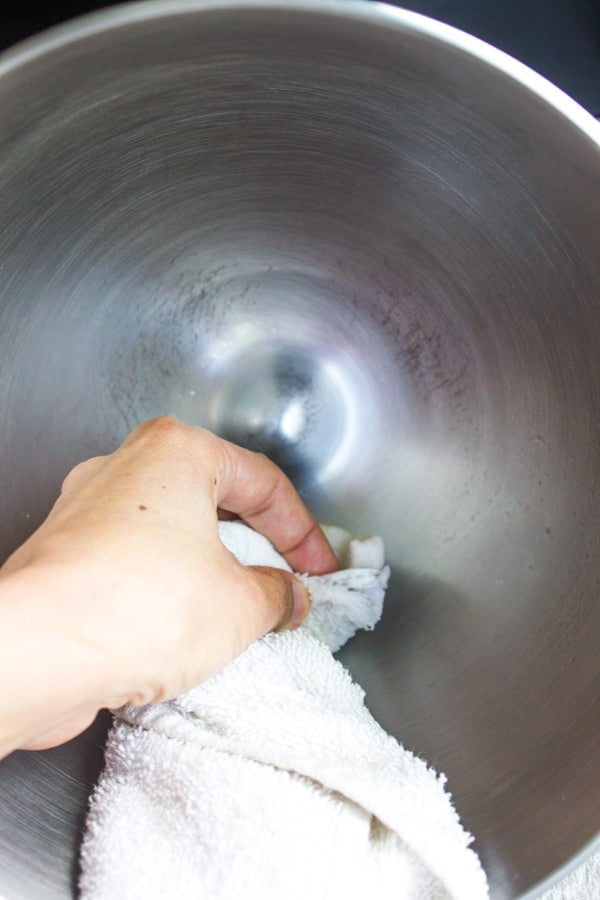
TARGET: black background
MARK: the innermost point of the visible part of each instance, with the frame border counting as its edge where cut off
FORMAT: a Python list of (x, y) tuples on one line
[(559, 38)]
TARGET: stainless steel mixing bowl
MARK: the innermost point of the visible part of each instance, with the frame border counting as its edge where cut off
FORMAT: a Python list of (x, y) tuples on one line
[(370, 246)]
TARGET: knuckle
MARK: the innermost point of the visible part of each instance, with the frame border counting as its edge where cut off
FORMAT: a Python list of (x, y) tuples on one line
[(79, 472), (164, 433), (159, 426), (169, 434), (270, 468)]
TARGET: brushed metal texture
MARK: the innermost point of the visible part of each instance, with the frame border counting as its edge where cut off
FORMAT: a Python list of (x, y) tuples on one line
[(370, 247)]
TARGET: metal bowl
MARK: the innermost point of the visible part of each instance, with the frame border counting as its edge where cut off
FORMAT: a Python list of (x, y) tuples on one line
[(368, 245)]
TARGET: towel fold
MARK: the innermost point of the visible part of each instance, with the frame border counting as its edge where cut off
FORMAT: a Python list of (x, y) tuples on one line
[(272, 780)]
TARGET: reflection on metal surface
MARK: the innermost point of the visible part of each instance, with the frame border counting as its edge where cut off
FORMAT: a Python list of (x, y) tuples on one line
[(368, 246)]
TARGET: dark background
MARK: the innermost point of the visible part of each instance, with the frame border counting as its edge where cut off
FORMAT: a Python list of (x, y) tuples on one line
[(559, 38)]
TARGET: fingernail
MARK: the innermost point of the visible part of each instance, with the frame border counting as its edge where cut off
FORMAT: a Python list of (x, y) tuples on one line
[(302, 603)]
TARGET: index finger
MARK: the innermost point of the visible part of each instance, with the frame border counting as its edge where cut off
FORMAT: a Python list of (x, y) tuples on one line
[(254, 488)]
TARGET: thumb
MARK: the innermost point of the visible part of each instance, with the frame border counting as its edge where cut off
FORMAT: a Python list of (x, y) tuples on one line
[(285, 601)]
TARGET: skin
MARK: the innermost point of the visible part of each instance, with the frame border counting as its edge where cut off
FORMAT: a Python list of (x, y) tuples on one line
[(125, 593)]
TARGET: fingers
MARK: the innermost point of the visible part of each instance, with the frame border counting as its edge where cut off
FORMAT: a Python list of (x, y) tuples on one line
[(62, 733), (163, 458), (246, 484), (255, 489), (247, 602), (279, 601)]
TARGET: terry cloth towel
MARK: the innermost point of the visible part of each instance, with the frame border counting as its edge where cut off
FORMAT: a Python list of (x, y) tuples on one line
[(271, 781)]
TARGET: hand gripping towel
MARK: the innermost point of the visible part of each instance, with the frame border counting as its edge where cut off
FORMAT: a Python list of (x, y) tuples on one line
[(272, 781)]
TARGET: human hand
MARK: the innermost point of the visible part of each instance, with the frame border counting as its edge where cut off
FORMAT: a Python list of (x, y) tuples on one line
[(125, 594)]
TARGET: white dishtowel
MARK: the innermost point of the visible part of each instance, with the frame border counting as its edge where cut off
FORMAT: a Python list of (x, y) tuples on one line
[(271, 781), (582, 883)]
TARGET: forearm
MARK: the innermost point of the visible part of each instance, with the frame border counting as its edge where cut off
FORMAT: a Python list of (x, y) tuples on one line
[(46, 675)]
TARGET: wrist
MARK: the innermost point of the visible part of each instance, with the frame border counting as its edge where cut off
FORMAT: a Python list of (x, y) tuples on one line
[(48, 672)]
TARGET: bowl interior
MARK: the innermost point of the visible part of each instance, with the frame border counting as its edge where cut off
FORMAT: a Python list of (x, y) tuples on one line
[(333, 236)]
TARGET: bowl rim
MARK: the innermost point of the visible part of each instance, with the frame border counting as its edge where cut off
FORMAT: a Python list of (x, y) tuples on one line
[(369, 11), (372, 12)]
